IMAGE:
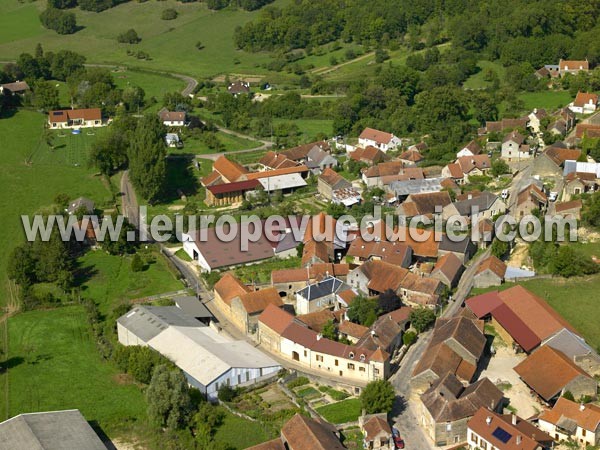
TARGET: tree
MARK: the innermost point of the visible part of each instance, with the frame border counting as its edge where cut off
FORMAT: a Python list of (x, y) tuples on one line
[(60, 21), (168, 398), (168, 14), (133, 98), (378, 397), (499, 167), (227, 393), (129, 37), (388, 301), (329, 331), (499, 248), (123, 245), (409, 338), (421, 318), (363, 311), (45, 95), (137, 265), (147, 167)]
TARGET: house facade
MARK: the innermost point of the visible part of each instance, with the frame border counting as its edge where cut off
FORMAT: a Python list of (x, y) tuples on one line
[(75, 118), (573, 421), (378, 139)]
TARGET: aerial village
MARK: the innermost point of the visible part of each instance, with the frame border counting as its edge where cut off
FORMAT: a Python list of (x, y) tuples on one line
[(472, 365)]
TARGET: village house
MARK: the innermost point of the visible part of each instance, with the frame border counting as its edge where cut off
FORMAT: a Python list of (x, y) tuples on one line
[(288, 281), (488, 429), (448, 270), (569, 210), (427, 205), (172, 118), (53, 430), (522, 319), (456, 347), (584, 103), (369, 155), (514, 147), (412, 156), (280, 332), (14, 88), (238, 88), (320, 295), (550, 374), (552, 160), (81, 204), (75, 118), (351, 331), (379, 139), (572, 67), (385, 173), (568, 420), (477, 206), (490, 272), (393, 252), (447, 406), (330, 181), (529, 199), (504, 125), (535, 120), (318, 160), (300, 153), (303, 433), (548, 71), (402, 189), (209, 359), (590, 130), (376, 431), (273, 160), (467, 166), (577, 183), (471, 149), (387, 331), (460, 246)]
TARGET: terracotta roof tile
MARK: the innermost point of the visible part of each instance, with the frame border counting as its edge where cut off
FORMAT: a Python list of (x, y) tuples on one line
[(276, 318), (380, 137), (257, 301), (493, 264), (587, 418), (229, 287)]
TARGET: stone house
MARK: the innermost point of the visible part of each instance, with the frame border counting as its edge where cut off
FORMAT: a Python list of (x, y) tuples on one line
[(569, 420), (330, 181), (490, 272), (379, 139), (376, 431)]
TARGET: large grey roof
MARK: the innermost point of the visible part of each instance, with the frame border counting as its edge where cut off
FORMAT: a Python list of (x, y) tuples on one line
[(570, 344), (58, 430), (192, 306), (407, 187), (148, 321), (322, 288), (461, 245), (482, 202)]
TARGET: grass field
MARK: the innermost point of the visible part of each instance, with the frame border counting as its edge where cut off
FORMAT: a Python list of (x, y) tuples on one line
[(54, 364), (111, 280), (310, 127), (229, 141), (549, 100), (170, 43), (477, 81), (341, 412), (236, 432), (68, 149)]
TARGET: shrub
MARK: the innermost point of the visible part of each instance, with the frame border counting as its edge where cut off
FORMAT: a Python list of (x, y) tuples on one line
[(137, 265), (409, 338), (60, 21), (129, 37), (300, 381), (227, 393), (168, 14)]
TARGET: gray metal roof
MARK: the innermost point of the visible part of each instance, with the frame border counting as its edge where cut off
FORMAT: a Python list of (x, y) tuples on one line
[(147, 322), (570, 344), (58, 430), (192, 306), (407, 187), (327, 286)]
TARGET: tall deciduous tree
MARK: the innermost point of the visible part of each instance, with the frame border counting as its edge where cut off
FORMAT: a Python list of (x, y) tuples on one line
[(168, 398), (378, 397), (147, 167)]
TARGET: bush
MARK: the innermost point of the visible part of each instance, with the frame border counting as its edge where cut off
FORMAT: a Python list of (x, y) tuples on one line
[(409, 338), (378, 397), (421, 318), (60, 21), (137, 265), (129, 37), (169, 14), (227, 393), (300, 381)]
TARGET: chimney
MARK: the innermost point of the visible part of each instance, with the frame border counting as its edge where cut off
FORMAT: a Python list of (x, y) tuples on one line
[(581, 407), (514, 419), (519, 438), (488, 420)]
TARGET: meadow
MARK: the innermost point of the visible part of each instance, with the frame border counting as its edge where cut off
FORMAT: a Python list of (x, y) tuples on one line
[(171, 44), (549, 100), (341, 412)]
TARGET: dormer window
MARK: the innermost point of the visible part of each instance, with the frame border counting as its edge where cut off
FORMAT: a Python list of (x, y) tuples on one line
[(351, 355), (362, 358)]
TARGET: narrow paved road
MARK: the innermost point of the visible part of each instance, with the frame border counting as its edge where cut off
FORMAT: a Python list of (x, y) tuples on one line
[(405, 411)]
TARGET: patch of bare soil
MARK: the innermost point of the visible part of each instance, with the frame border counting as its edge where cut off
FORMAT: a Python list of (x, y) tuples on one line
[(519, 256)]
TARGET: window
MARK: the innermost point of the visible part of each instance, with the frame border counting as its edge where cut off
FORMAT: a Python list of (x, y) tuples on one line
[(319, 358), (305, 353), (361, 369), (351, 355), (376, 371), (350, 366), (583, 432), (247, 376), (336, 362), (362, 357)]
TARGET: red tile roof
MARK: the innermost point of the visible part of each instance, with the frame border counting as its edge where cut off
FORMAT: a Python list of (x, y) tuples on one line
[(369, 154), (494, 265), (256, 301), (276, 318), (229, 287), (381, 137), (230, 170), (585, 98), (587, 418), (64, 115)]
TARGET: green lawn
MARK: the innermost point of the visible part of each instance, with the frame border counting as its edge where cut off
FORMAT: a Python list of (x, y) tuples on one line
[(112, 281), (549, 100), (230, 142), (68, 149), (310, 127), (477, 80), (341, 412), (54, 364), (238, 433), (170, 43), (28, 187)]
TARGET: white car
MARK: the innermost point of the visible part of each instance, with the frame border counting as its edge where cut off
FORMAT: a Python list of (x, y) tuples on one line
[(553, 196), (504, 194)]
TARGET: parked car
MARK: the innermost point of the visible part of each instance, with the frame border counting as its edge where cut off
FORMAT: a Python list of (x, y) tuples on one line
[(553, 196), (504, 194), (398, 441)]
